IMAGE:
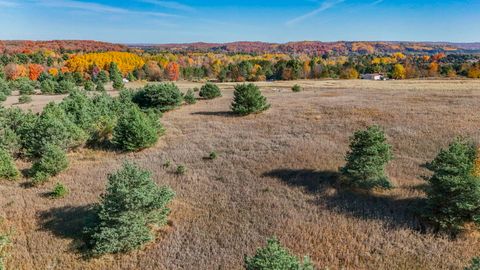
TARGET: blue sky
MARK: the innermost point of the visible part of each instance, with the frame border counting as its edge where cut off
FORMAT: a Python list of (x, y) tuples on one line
[(158, 21)]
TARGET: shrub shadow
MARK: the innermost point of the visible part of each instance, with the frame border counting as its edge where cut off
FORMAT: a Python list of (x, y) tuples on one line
[(68, 222), (394, 212), (220, 113)]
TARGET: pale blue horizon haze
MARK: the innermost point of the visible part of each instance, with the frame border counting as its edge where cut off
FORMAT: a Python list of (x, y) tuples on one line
[(158, 21)]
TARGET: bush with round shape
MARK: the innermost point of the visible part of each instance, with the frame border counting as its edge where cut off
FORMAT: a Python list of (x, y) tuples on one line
[(190, 97), (136, 130), (89, 86), (8, 171), (52, 126), (131, 204), (248, 99), (100, 87), (163, 97), (118, 83), (3, 97), (453, 194), (59, 191), (26, 89), (296, 88), (5, 88), (65, 87), (24, 99), (276, 257), (102, 77), (366, 161), (210, 91), (52, 162), (48, 86)]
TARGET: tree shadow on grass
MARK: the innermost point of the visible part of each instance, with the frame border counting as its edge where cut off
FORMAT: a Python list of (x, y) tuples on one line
[(394, 212), (220, 113), (69, 222)]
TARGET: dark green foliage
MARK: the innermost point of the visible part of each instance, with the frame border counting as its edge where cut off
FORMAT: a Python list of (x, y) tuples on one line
[(118, 83), (163, 97), (474, 264), (52, 162), (52, 126), (100, 87), (131, 77), (136, 130), (248, 99), (26, 89), (369, 154), (102, 77), (65, 87), (296, 88), (8, 171), (181, 169), (59, 191), (24, 99), (3, 97), (453, 196), (79, 109), (212, 155), (48, 87), (114, 72), (15, 125), (131, 204), (89, 86), (276, 257), (190, 97), (210, 91)]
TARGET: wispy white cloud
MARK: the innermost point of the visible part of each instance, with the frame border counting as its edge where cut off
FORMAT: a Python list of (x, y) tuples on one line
[(377, 2), (169, 4), (7, 4), (324, 6), (100, 8)]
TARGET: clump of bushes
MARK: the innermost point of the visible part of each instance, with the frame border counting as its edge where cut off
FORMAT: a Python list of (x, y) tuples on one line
[(3, 97), (453, 196), (59, 191), (8, 171), (190, 97), (89, 86), (210, 91), (132, 203), (248, 99), (136, 130), (24, 99), (52, 162), (296, 88), (5, 88), (276, 257), (48, 86), (65, 87), (100, 87), (163, 97), (26, 89), (369, 154)]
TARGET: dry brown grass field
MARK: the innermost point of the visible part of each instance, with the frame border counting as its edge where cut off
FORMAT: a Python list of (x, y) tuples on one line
[(274, 175)]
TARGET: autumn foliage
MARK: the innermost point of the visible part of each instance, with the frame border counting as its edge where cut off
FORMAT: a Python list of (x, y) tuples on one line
[(34, 71), (84, 63)]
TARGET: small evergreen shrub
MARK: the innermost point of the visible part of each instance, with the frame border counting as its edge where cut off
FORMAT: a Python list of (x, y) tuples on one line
[(100, 87), (212, 155), (369, 154), (3, 97), (102, 77), (65, 87), (118, 83), (136, 130), (190, 97), (59, 191), (296, 88), (5, 88), (89, 86), (210, 91), (26, 89), (453, 196), (24, 99), (167, 164), (48, 86), (8, 171), (474, 264), (276, 257), (248, 99), (132, 203), (181, 169), (52, 162), (164, 97)]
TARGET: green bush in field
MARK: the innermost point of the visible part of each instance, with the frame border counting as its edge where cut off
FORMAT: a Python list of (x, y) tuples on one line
[(102, 77), (190, 97), (276, 257), (181, 169), (8, 171), (453, 196), (52, 162), (52, 127), (136, 130), (26, 89), (5, 88), (4, 245), (89, 86), (114, 71), (59, 191), (210, 91), (296, 88), (24, 99), (118, 83), (163, 97), (15, 125), (131, 204), (366, 161), (3, 97), (248, 99), (474, 264), (48, 86), (65, 87), (100, 87)]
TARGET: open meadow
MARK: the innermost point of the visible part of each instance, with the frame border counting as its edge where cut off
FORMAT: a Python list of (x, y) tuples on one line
[(275, 175)]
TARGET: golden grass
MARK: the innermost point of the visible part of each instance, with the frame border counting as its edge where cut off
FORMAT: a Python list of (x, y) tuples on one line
[(272, 176)]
